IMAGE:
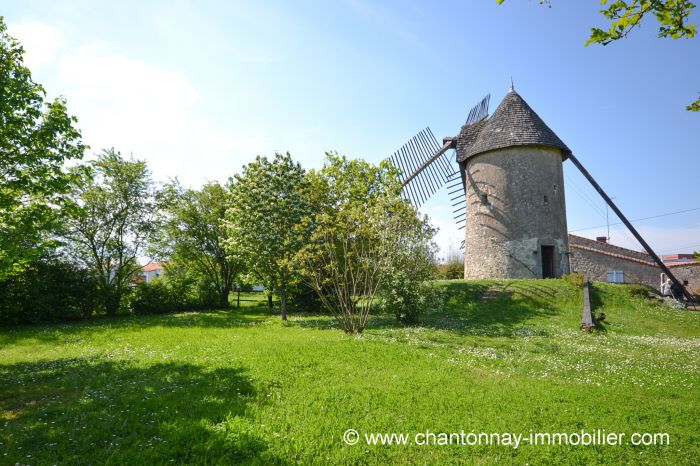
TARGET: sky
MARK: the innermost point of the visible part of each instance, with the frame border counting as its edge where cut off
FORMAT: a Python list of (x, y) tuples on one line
[(199, 88)]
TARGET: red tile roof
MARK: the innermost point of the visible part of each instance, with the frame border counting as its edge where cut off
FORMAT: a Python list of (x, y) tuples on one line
[(152, 267), (621, 252), (607, 245), (611, 254), (680, 264)]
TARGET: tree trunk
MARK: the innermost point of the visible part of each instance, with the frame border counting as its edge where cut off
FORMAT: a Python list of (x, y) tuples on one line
[(111, 301), (269, 299), (223, 298), (283, 303), (238, 300)]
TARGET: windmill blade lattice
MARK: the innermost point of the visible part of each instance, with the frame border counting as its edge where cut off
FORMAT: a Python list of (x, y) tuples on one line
[(425, 166), (480, 110)]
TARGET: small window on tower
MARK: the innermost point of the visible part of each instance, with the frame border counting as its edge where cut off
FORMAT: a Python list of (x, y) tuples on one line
[(546, 199), (555, 189)]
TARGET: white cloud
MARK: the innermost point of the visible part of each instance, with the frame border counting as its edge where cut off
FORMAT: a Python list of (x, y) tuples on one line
[(151, 112), (40, 41)]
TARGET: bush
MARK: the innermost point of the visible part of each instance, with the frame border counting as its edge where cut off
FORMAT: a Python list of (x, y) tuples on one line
[(48, 291), (173, 292), (152, 298), (450, 271), (575, 279), (303, 298), (638, 291), (408, 300), (206, 296), (190, 290)]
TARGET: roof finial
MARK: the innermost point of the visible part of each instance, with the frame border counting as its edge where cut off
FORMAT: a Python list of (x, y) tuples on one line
[(512, 89)]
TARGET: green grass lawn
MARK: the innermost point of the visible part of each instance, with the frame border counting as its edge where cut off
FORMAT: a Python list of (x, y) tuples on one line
[(240, 386)]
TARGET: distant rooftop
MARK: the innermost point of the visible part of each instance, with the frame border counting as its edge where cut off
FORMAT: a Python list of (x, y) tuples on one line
[(152, 267), (601, 246), (677, 257)]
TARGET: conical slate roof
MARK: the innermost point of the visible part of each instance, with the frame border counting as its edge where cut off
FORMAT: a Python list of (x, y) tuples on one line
[(513, 123)]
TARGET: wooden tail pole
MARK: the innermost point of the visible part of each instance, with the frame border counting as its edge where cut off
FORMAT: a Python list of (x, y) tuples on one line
[(636, 234)]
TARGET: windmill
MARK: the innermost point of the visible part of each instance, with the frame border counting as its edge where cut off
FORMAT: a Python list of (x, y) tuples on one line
[(504, 175)]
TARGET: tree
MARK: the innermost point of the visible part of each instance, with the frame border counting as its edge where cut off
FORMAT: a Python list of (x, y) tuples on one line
[(112, 223), (36, 139), (365, 239), (195, 234), (624, 16), (269, 200)]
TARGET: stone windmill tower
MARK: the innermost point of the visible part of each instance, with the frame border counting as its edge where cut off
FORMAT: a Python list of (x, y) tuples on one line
[(509, 188), (511, 166)]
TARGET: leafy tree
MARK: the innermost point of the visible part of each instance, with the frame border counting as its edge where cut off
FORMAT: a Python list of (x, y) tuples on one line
[(365, 239), (112, 223), (672, 17), (269, 200), (195, 234), (36, 139)]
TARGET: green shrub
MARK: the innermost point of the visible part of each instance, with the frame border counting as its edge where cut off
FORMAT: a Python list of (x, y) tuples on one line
[(450, 271), (48, 291), (637, 290), (303, 298), (575, 279), (190, 290), (408, 302), (152, 298), (206, 296)]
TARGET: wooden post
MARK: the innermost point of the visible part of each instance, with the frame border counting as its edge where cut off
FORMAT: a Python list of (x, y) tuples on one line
[(587, 315)]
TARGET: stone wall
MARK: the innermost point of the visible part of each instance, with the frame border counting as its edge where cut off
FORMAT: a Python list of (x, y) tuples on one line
[(515, 205), (595, 259), (596, 264), (690, 272)]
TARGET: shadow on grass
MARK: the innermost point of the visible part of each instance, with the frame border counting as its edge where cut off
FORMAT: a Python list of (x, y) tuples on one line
[(472, 308), (596, 305), (498, 308), (225, 318), (89, 411), (493, 309), (328, 322)]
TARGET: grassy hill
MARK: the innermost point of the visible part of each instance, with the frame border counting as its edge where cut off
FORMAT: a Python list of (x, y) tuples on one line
[(241, 386)]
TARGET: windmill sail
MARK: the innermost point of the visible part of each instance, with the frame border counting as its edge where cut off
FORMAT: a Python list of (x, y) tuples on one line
[(480, 110), (426, 165)]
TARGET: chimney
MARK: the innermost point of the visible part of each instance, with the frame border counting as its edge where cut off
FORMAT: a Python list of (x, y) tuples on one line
[(601, 239)]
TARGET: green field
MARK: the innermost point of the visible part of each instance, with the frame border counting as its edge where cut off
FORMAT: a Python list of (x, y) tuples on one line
[(241, 386)]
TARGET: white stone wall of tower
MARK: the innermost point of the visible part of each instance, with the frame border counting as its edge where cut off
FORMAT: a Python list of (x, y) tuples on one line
[(515, 205)]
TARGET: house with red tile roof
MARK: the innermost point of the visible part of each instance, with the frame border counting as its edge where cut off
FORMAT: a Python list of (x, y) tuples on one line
[(150, 271), (602, 261)]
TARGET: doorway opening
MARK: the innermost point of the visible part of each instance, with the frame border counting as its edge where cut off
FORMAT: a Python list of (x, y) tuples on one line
[(547, 261)]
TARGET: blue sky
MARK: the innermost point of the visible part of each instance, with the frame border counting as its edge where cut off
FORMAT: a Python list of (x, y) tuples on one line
[(199, 88)]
